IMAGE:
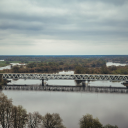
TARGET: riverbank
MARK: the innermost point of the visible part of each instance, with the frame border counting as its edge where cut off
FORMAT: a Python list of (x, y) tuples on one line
[(3, 82), (40, 67), (3, 64)]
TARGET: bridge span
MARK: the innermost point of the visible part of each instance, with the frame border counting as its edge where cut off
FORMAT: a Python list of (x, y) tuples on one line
[(41, 76), (81, 77)]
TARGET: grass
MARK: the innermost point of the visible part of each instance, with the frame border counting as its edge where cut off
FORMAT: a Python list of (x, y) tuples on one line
[(14, 61), (33, 61), (3, 63)]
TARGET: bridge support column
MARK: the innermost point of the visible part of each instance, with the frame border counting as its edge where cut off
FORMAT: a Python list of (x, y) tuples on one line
[(42, 82), (125, 84), (83, 83)]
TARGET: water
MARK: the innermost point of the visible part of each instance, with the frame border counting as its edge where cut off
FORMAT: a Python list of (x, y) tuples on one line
[(9, 66), (64, 82), (6, 67), (66, 72), (114, 64), (109, 108), (14, 64)]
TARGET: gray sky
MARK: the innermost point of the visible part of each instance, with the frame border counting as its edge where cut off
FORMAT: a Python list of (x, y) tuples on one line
[(63, 27)]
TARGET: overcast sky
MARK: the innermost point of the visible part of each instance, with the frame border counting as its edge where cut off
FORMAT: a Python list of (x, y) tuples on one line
[(63, 27)]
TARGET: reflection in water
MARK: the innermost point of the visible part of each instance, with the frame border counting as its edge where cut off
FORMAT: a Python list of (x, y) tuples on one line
[(109, 108)]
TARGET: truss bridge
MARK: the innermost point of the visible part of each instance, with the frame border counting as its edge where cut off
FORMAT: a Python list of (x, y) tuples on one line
[(82, 77), (102, 77)]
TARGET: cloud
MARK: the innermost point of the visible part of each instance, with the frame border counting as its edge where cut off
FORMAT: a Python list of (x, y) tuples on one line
[(98, 22)]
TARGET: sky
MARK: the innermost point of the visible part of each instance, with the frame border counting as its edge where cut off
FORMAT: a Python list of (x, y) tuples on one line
[(63, 27)]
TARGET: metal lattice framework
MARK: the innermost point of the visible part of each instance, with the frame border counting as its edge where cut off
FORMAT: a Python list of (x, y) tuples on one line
[(88, 77)]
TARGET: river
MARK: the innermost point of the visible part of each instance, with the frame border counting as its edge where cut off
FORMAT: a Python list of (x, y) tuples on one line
[(115, 64), (108, 107)]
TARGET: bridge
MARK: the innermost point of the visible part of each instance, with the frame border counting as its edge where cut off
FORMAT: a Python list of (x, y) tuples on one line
[(97, 89), (81, 77)]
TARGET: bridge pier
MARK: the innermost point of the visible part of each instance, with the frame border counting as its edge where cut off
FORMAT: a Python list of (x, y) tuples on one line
[(125, 84), (83, 83), (42, 82)]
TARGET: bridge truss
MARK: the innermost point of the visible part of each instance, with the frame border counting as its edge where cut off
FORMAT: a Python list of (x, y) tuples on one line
[(83, 77)]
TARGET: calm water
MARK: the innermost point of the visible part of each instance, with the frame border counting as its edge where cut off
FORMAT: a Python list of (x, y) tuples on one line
[(6, 67), (64, 82), (115, 64), (109, 108)]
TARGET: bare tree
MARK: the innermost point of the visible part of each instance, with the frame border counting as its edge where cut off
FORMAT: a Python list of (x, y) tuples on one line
[(34, 120), (19, 117), (52, 121), (87, 121), (5, 111)]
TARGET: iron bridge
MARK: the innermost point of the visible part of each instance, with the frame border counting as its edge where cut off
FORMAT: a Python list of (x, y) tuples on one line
[(83, 77)]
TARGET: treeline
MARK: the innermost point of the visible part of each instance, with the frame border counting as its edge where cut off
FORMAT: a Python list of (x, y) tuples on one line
[(89, 66), (102, 70), (70, 58), (26, 59), (57, 65), (46, 58), (117, 58), (2, 82), (17, 117), (80, 64)]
